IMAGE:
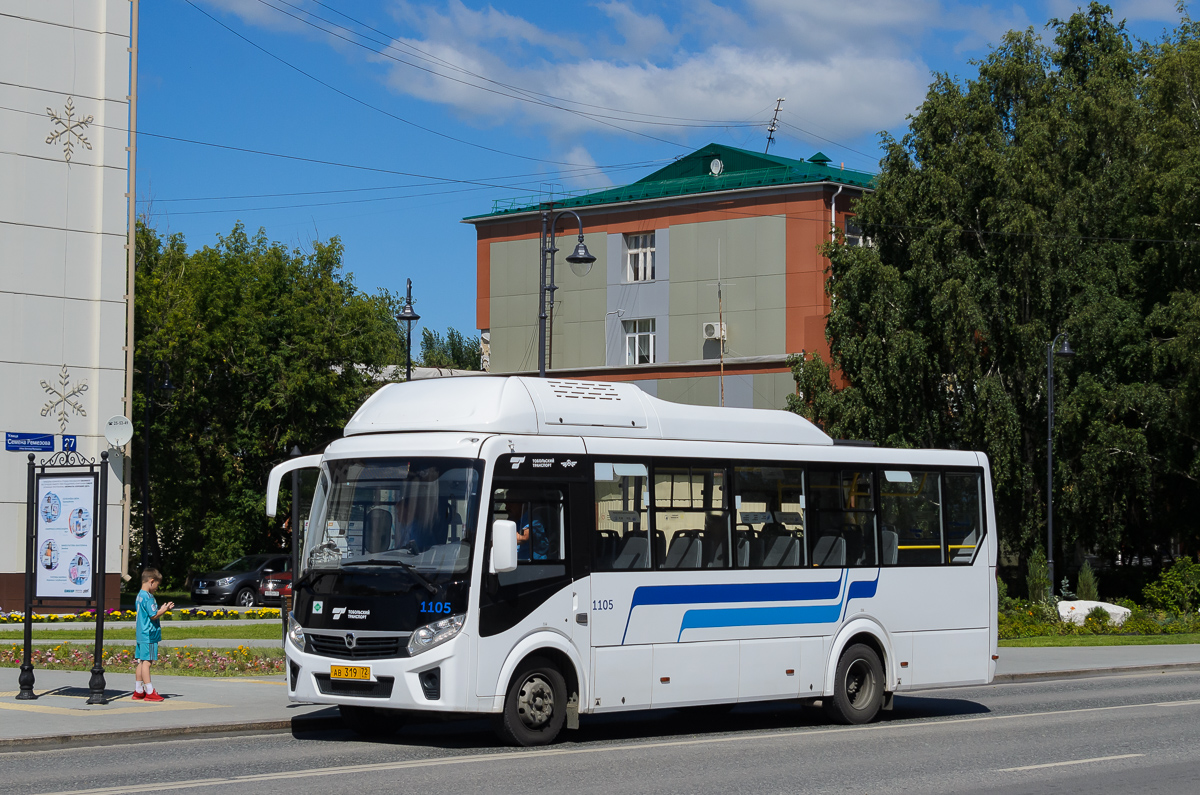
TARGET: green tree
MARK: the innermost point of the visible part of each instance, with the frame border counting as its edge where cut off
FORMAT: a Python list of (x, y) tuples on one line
[(1087, 586), (267, 349), (1017, 206), (454, 351)]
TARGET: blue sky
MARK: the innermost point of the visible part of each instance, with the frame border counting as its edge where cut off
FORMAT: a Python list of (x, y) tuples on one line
[(424, 113)]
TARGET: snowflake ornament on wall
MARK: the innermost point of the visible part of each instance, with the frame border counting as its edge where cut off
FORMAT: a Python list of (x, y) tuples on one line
[(63, 397), (71, 127)]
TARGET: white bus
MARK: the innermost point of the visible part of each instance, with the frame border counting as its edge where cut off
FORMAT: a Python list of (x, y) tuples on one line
[(539, 549)]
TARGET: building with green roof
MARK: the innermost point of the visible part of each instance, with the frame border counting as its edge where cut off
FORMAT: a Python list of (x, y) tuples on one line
[(708, 274)]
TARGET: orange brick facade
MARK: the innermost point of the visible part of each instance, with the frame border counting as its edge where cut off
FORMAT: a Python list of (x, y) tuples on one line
[(807, 226)]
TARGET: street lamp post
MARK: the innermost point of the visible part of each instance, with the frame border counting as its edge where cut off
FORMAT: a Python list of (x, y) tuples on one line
[(409, 315), (1063, 350), (581, 262), (167, 389)]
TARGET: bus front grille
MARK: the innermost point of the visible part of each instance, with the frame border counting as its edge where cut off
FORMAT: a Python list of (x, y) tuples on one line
[(349, 687), (376, 647)]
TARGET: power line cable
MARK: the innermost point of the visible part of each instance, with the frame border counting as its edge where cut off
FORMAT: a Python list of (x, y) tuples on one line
[(401, 119), (576, 173), (394, 41), (317, 161), (376, 108)]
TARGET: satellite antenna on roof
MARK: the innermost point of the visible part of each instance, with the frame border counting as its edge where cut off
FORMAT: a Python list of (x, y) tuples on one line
[(774, 125)]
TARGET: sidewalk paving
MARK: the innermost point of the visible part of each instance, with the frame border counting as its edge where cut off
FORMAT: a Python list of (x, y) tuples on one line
[(201, 705), (195, 705)]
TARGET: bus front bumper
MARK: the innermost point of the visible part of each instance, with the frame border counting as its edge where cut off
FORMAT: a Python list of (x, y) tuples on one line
[(434, 680)]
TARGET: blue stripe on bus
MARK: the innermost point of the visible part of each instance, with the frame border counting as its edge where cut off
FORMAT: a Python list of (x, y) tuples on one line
[(862, 589), (725, 593), (759, 616)]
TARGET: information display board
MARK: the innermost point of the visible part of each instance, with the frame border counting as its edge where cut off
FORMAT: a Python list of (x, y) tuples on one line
[(66, 523)]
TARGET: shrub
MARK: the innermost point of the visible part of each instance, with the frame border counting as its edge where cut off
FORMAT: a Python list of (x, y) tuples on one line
[(1099, 615), (1037, 577), (1087, 587), (1177, 589)]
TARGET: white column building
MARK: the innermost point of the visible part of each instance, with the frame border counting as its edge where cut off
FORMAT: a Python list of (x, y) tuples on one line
[(64, 120)]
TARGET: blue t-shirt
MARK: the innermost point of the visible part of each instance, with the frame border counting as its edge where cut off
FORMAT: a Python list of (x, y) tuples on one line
[(148, 630)]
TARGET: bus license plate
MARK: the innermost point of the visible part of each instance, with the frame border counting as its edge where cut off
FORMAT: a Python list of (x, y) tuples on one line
[(360, 672)]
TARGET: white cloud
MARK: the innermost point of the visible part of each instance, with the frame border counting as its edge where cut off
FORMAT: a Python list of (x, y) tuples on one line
[(642, 35), (853, 91)]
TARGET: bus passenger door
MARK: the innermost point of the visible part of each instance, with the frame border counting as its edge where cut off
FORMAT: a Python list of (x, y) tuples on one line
[(535, 491)]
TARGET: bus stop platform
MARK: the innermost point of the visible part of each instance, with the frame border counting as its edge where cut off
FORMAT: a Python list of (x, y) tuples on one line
[(197, 705)]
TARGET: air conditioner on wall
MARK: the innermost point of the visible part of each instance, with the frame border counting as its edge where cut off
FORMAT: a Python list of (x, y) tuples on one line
[(713, 330)]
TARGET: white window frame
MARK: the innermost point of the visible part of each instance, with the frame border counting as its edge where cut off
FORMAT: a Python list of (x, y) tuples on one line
[(635, 332), (639, 257)]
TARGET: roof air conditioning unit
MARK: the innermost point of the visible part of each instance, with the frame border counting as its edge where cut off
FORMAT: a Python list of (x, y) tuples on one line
[(713, 330)]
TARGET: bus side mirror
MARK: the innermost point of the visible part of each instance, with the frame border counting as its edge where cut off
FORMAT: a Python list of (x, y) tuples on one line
[(504, 546)]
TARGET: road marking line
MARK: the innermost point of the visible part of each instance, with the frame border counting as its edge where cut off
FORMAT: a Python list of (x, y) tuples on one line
[(164, 786), (1072, 762)]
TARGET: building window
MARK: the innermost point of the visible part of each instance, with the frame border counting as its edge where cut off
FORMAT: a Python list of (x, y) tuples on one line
[(639, 341), (854, 235), (640, 259)]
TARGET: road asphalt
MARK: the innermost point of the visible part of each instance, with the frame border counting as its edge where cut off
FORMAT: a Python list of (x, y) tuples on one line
[(197, 705)]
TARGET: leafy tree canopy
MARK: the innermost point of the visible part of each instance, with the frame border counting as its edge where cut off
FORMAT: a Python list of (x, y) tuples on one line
[(454, 351), (1054, 191), (266, 349)]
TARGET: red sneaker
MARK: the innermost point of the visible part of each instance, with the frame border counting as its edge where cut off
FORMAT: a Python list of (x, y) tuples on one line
[(155, 696), (137, 696)]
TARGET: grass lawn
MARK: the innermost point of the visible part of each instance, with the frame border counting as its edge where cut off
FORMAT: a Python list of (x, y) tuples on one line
[(180, 631), (1099, 640)]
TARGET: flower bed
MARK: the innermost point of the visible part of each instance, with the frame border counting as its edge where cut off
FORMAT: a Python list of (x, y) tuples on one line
[(186, 660), (186, 614)]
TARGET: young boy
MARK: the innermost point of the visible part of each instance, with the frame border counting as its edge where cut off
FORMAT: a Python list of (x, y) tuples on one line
[(149, 633)]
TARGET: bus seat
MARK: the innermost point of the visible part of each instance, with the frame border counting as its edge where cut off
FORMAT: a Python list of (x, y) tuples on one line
[(891, 543), (605, 551), (965, 555), (686, 552), (635, 553), (830, 551), (377, 535), (660, 545), (782, 552)]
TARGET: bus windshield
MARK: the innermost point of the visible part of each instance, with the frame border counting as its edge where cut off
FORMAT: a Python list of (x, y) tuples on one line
[(415, 513)]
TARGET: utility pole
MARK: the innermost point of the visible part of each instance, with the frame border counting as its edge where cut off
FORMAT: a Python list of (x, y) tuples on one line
[(720, 325), (773, 126)]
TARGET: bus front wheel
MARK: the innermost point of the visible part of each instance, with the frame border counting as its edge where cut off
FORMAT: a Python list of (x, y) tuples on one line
[(858, 686), (535, 706)]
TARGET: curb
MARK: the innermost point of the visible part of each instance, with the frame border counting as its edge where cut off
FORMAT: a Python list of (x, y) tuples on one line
[(1083, 673), (50, 741)]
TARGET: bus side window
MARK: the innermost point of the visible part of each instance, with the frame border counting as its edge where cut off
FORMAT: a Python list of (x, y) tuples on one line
[(963, 517), (540, 513), (691, 518), (843, 504), (622, 517), (769, 517), (910, 517)]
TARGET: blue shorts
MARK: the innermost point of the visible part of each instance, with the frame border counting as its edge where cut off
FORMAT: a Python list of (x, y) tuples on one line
[(145, 651)]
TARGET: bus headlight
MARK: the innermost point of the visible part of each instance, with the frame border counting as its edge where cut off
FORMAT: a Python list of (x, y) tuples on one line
[(435, 634), (295, 632)]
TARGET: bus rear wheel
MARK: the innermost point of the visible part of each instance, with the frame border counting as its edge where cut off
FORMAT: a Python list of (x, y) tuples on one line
[(857, 688), (371, 721), (535, 706)]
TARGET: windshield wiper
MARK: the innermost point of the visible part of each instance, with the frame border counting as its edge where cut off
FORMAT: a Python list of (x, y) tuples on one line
[(411, 569)]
